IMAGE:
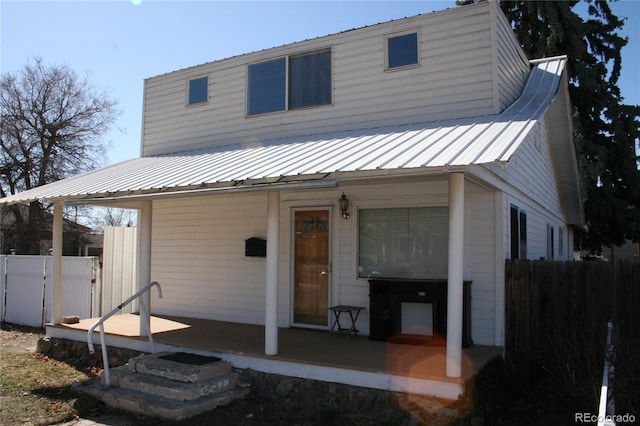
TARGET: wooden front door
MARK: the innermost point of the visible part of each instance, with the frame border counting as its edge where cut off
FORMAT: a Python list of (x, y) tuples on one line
[(311, 268)]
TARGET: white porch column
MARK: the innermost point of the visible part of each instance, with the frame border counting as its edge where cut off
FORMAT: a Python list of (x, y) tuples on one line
[(144, 261), (56, 302), (273, 249), (456, 265)]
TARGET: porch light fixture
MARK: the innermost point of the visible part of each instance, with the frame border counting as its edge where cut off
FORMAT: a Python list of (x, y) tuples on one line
[(344, 206)]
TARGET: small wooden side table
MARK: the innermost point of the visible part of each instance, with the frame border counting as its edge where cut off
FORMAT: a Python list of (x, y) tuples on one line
[(354, 312)]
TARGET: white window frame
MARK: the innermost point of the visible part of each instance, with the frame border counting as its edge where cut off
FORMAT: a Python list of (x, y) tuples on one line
[(188, 90), (287, 59), (430, 274), (415, 31)]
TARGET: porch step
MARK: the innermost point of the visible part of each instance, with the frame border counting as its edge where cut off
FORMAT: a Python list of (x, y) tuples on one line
[(179, 366), (172, 386), (177, 390)]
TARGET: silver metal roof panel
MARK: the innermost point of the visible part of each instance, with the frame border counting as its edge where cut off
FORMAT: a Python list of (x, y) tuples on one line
[(464, 142)]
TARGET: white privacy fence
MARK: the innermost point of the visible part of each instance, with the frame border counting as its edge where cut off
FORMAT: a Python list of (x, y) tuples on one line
[(26, 288)]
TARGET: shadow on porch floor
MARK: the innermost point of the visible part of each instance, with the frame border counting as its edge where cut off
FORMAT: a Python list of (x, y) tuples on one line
[(311, 347)]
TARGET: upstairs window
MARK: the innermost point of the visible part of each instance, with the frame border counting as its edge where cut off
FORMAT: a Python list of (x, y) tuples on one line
[(287, 83), (402, 50), (310, 80), (267, 86), (198, 90)]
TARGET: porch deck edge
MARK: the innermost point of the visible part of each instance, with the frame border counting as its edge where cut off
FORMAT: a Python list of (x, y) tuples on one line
[(447, 388)]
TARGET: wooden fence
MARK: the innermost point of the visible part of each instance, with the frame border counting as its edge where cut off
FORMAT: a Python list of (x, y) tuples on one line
[(557, 314)]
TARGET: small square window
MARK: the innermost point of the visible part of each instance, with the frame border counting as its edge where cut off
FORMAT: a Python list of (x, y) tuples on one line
[(402, 50), (198, 90)]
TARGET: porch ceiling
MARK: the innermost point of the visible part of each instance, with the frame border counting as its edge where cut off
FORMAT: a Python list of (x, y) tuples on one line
[(428, 147)]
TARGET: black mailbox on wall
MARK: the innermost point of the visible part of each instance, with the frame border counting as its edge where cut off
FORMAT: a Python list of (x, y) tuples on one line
[(256, 247)]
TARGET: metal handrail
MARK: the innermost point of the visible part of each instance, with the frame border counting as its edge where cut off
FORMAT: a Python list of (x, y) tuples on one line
[(100, 322)]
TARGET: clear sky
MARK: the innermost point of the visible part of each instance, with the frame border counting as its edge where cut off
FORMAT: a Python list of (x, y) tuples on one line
[(118, 44)]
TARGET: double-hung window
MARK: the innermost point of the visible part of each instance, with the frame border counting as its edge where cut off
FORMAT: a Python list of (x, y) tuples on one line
[(403, 242), (401, 50), (287, 83)]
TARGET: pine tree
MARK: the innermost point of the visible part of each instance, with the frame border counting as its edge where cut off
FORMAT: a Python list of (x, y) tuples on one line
[(606, 130)]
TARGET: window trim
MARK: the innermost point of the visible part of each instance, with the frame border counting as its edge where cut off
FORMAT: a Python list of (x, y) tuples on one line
[(188, 91), (415, 31), (287, 79)]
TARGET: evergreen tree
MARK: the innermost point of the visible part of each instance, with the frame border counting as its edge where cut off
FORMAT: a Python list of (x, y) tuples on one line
[(606, 130)]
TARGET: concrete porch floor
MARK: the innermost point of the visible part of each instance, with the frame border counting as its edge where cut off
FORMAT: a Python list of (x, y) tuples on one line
[(304, 353)]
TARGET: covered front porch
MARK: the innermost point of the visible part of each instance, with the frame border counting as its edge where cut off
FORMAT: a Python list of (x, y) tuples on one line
[(303, 353)]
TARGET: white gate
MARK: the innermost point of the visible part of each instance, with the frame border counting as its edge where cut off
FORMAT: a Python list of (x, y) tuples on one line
[(27, 288), (119, 273)]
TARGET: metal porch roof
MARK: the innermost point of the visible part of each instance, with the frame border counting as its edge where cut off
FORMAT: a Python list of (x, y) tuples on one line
[(464, 142)]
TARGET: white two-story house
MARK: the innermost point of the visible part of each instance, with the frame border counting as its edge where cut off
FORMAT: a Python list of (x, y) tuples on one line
[(453, 150)]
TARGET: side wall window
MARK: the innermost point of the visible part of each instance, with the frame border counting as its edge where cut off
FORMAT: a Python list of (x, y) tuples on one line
[(518, 233), (198, 90), (550, 242)]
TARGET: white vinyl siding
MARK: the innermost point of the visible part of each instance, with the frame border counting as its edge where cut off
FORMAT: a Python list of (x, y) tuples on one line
[(453, 81), (532, 186), (512, 65), (198, 251), (198, 257)]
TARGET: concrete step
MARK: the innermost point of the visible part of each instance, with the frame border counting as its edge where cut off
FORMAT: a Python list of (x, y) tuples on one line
[(177, 390), (172, 386), (155, 405), (179, 366)]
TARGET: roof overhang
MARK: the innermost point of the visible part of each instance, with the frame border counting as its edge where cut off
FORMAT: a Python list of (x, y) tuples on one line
[(564, 155), (324, 160)]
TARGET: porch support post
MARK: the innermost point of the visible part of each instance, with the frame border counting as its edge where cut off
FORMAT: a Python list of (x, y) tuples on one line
[(271, 299), (56, 254), (456, 265), (144, 262)]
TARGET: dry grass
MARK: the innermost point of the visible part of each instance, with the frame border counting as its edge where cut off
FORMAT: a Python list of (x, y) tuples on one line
[(36, 390)]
